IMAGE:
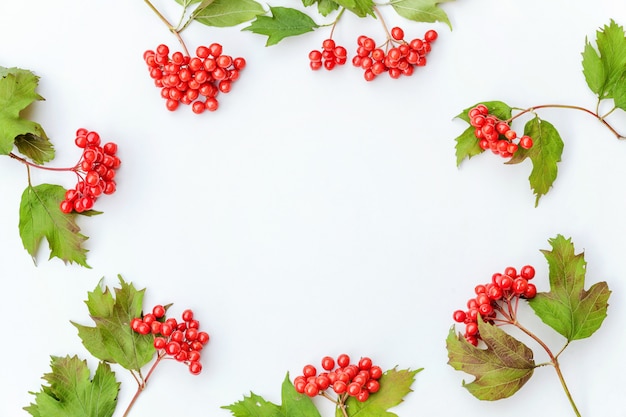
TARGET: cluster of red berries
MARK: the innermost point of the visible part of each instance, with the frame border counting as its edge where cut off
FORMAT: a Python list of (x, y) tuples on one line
[(358, 380), (98, 164), (504, 289), (495, 134), (330, 56), (400, 59), (196, 81), (180, 340)]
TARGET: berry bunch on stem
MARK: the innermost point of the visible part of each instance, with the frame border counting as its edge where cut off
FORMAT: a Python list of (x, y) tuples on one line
[(195, 81), (342, 377), (496, 301), (95, 171), (496, 134), (179, 340)]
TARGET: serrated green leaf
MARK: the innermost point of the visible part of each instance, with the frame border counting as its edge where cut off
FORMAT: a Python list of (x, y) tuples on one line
[(40, 216), (467, 145), (283, 23), (500, 370), (225, 13), (394, 386), (38, 149), (17, 92), (422, 10), (294, 404), (361, 8), (545, 154), (568, 308), (606, 68), (71, 392), (112, 339), (324, 7)]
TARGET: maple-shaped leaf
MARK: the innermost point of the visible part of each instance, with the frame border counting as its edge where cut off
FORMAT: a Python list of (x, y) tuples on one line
[(605, 68), (71, 393), (360, 8), (545, 154), (467, 143), (294, 404), (324, 7), (17, 92), (225, 13), (422, 10), (394, 386), (500, 370), (283, 23), (568, 308), (112, 339), (41, 217)]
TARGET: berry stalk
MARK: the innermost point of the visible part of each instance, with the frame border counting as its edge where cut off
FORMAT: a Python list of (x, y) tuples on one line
[(572, 107), (175, 31)]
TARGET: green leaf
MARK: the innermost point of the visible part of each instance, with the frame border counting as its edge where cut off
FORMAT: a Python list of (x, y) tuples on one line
[(283, 23), (394, 386), (40, 216), (568, 308), (225, 13), (361, 8), (467, 143), (500, 370), (604, 70), (186, 3), (71, 392), (112, 339), (294, 405), (324, 7), (545, 154), (422, 10), (38, 149), (17, 92)]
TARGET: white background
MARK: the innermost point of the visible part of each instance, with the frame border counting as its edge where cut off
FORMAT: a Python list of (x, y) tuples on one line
[(315, 213)]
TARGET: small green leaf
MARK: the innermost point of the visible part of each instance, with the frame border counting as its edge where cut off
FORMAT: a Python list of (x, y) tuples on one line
[(294, 405), (17, 92), (283, 23), (394, 386), (112, 339), (422, 10), (500, 370), (545, 154), (568, 308), (604, 70), (225, 13), (38, 149), (40, 216), (466, 143), (324, 7), (71, 392), (361, 8)]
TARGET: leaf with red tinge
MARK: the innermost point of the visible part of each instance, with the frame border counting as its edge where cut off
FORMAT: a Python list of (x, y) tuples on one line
[(112, 339), (41, 217), (500, 370), (568, 308), (71, 392)]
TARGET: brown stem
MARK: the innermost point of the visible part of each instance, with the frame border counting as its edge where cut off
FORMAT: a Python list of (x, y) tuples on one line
[(30, 164), (332, 30), (566, 106), (141, 384), (171, 28)]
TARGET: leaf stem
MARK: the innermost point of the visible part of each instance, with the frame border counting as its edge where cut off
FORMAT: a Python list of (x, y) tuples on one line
[(171, 28), (332, 30), (571, 107)]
